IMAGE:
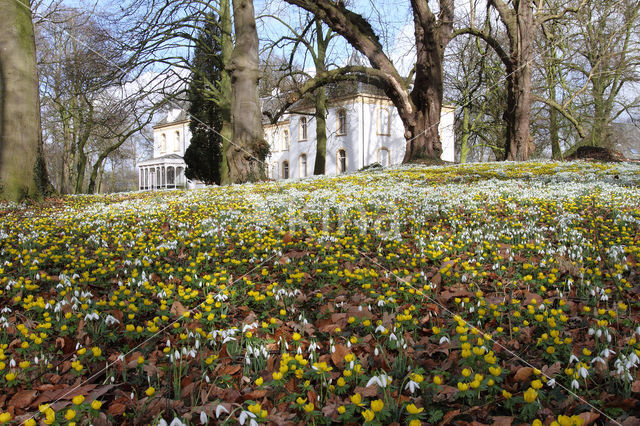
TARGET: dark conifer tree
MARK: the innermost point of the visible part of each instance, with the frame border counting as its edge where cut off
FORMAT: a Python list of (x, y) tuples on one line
[(204, 154)]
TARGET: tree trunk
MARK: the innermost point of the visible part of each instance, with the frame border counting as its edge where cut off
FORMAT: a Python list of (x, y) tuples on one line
[(321, 132), (245, 157), (466, 132), (225, 89), (20, 132), (423, 137), (321, 103), (518, 144)]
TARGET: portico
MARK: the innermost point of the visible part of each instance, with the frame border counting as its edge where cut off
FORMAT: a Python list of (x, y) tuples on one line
[(165, 172)]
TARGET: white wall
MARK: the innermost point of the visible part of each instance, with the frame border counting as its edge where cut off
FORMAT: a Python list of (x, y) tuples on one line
[(362, 142), (170, 133)]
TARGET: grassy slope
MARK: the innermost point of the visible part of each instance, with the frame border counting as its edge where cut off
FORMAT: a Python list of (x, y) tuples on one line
[(415, 293)]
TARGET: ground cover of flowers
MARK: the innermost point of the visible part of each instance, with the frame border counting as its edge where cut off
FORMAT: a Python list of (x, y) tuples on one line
[(490, 293)]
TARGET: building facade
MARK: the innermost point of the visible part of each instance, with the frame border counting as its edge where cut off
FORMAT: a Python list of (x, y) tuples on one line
[(363, 128), (165, 170)]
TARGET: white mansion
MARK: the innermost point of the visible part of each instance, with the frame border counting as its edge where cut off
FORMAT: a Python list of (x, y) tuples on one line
[(362, 124)]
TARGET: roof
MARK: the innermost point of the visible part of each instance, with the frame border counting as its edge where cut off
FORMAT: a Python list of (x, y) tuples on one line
[(168, 158), (175, 115)]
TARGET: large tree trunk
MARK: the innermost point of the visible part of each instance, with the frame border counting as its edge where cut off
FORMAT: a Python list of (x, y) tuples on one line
[(321, 132), (245, 157), (321, 103), (20, 132), (225, 89), (423, 139), (517, 115)]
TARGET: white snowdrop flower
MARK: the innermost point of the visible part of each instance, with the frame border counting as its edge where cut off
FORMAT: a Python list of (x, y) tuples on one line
[(197, 344), (176, 354), (204, 419), (551, 383), (12, 363), (177, 422), (380, 329), (583, 372), (572, 358), (392, 336), (382, 380), (168, 344), (228, 339), (412, 386), (162, 422), (109, 320), (598, 359), (349, 344), (244, 415), (598, 333), (606, 352), (575, 384), (376, 352)]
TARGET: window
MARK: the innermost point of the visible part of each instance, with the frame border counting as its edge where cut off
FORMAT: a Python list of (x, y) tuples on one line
[(285, 170), (163, 143), (176, 146), (285, 139), (342, 122), (383, 157), (274, 171), (303, 128), (383, 122), (342, 161), (303, 165)]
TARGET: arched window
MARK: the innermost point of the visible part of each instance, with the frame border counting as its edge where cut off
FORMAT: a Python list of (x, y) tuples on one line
[(341, 122), (285, 170), (384, 122), (342, 161), (303, 128), (384, 157), (285, 139), (303, 165), (176, 146), (163, 143)]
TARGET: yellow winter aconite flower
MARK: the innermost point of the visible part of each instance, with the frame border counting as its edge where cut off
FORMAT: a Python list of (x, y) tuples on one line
[(96, 405), (150, 391), (377, 405), (309, 407), (78, 399), (412, 409), (356, 399), (5, 417), (69, 414), (530, 395), (368, 415)]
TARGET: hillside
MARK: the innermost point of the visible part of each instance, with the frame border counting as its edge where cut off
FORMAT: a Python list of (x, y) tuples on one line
[(490, 293)]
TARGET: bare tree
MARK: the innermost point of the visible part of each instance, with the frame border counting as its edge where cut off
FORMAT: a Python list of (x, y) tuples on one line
[(90, 113), (521, 20), (418, 97)]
